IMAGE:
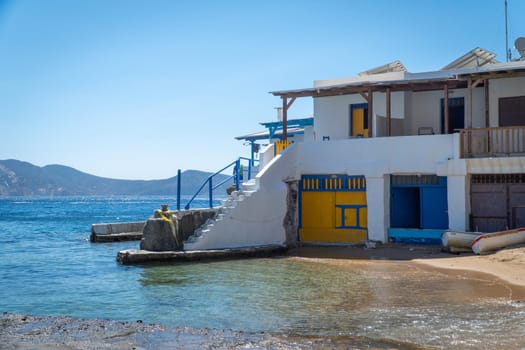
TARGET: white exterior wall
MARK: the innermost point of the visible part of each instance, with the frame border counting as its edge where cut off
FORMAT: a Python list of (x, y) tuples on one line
[(377, 159), (377, 156), (332, 113), (332, 116), (257, 220), (266, 155), (478, 108), (416, 109), (457, 202), (378, 207), (504, 165), (508, 87), (425, 111)]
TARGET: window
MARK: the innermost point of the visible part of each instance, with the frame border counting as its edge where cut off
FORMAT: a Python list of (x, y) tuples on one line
[(512, 111)]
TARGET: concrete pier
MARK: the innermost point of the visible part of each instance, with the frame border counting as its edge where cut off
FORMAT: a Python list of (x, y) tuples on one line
[(115, 232), (131, 257)]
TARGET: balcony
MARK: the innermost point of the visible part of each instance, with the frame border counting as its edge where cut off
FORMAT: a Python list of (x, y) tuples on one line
[(492, 142)]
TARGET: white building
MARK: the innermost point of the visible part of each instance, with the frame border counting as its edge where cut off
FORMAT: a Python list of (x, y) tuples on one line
[(387, 161)]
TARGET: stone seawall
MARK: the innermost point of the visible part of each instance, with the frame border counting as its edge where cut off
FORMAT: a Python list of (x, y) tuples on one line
[(190, 220), (187, 222), (166, 230)]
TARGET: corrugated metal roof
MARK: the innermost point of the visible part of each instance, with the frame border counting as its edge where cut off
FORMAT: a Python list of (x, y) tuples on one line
[(477, 57), (395, 66)]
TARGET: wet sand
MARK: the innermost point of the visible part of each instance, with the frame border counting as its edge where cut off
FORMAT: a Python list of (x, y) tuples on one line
[(505, 267)]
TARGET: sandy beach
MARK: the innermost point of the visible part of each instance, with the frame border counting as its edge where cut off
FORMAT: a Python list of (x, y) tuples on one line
[(506, 264)]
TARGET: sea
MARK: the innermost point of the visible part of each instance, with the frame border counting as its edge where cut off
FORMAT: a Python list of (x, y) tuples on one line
[(49, 267)]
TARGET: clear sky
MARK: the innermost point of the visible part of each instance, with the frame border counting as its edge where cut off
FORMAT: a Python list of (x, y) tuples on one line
[(136, 89)]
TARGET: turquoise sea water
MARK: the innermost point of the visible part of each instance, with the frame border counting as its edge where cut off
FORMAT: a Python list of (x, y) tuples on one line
[(49, 267)]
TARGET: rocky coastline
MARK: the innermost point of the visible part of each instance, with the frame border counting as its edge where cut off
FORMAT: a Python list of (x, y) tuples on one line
[(67, 333)]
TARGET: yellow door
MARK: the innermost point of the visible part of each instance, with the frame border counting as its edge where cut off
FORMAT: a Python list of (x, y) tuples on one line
[(359, 125), (333, 209)]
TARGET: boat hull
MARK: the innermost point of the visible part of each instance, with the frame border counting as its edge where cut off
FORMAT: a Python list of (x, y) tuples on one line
[(458, 242), (497, 240)]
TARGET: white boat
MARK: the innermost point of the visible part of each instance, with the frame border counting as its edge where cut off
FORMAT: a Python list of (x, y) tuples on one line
[(457, 241), (497, 240)]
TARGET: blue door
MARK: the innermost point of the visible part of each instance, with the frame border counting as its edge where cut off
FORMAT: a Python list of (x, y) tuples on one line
[(434, 208), (418, 202)]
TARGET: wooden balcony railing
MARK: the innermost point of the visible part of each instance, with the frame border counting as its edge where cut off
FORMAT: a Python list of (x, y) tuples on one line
[(492, 142)]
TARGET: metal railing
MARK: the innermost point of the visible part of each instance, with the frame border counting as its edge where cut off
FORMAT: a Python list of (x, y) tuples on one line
[(240, 168), (492, 142)]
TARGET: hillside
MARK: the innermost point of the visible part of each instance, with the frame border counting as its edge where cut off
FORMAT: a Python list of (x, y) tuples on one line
[(19, 178)]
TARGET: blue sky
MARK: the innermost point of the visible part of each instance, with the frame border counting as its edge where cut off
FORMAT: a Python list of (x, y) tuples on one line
[(136, 89)]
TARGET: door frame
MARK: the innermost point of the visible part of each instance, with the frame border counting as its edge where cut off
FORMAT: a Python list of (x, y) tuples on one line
[(364, 107), (452, 102)]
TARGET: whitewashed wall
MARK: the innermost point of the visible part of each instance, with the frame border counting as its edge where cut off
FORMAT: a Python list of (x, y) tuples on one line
[(332, 113), (376, 156), (416, 109), (424, 109), (332, 116), (377, 159)]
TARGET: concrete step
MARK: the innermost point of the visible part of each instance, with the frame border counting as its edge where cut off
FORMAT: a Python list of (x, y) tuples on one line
[(250, 185)]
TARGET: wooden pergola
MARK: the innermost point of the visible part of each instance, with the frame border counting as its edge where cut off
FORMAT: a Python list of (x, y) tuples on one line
[(470, 79)]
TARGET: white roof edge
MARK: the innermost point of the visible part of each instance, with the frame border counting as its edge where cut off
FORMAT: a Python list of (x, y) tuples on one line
[(412, 77)]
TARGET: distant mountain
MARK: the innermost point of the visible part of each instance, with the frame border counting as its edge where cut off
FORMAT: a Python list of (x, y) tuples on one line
[(19, 178)]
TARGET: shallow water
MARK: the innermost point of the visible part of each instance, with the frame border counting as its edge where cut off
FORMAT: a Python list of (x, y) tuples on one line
[(48, 267)]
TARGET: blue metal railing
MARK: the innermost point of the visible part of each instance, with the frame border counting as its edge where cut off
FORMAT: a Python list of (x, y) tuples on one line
[(238, 177)]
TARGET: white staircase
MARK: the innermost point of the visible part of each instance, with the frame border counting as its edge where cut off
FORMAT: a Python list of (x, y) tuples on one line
[(247, 218)]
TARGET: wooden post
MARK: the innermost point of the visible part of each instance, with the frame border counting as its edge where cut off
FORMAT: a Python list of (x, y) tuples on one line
[(370, 111), (388, 113), (487, 112), (470, 88), (285, 119), (445, 108)]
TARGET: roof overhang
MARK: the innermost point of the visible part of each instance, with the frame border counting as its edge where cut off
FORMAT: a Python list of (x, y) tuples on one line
[(453, 79), (381, 86), (265, 135)]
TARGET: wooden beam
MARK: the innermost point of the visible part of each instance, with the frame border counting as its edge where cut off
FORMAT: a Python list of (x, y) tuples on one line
[(496, 75), (477, 82), (289, 104), (286, 104), (388, 113), (364, 95), (445, 108)]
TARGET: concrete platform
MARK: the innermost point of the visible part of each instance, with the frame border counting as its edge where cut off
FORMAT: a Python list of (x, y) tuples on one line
[(130, 256), (116, 232), (116, 237)]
